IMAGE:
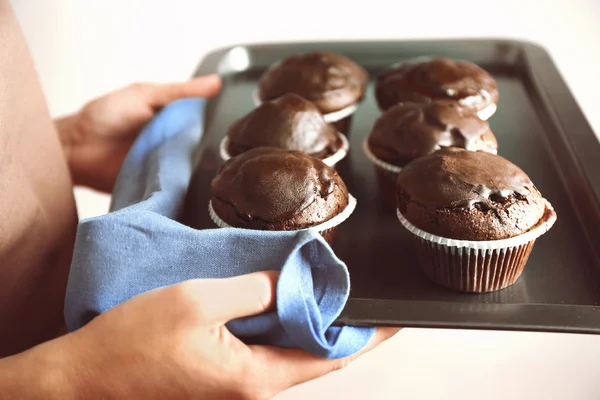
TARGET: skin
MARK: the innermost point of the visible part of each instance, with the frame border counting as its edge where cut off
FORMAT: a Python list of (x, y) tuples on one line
[(97, 139), (167, 343)]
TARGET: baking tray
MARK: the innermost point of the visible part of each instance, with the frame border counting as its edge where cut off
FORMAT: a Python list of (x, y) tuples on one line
[(539, 127)]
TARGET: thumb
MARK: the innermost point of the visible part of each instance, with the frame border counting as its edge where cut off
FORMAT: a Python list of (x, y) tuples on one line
[(159, 95), (222, 300)]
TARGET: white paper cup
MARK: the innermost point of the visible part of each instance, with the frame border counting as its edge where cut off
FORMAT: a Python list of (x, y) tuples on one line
[(332, 160), (340, 119), (386, 175), (487, 112), (327, 229), (476, 266)]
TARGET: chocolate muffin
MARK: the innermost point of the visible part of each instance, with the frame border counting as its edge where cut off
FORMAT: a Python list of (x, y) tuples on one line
[(425, 80), (334, 83), (475, 217), (290, 123), (407, 131), (468, 195), (411, 130), (268, 188)]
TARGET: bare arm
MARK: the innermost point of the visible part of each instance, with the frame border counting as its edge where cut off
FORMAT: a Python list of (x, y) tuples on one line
[(43, 372), (169, 343)]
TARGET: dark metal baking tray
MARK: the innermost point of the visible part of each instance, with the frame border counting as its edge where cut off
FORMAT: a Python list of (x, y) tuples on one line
[(539, 127)]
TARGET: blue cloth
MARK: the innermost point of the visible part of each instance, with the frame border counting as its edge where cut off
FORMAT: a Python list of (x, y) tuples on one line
[(139, 246)]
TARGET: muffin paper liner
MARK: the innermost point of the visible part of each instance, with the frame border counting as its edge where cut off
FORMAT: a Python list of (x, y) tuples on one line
[(476, 266), (329, 117), (487, 112), (394, 169), (386, 175), (323, 228), (331, 160)]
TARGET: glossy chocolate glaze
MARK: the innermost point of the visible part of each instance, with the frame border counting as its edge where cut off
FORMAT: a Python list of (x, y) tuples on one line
[(455, 177), (288, 122), (329, 80), (410, 130), (273, 185), (425, 80)]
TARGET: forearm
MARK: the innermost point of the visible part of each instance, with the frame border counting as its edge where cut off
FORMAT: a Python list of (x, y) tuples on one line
[(43, 372)]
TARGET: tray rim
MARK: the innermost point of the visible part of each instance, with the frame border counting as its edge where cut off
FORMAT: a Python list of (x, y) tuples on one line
[(206, 62), (561, 108)]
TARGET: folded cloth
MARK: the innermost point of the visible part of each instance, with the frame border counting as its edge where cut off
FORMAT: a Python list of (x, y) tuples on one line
[(139, 246)]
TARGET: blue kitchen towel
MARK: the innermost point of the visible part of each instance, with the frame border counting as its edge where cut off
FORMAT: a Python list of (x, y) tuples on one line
[(139, 246)]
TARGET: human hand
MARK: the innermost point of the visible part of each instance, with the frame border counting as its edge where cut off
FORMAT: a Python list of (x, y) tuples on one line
[(98, 137), (172, 343)]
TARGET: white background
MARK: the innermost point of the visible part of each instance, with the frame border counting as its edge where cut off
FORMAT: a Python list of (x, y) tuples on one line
[(84, 48)]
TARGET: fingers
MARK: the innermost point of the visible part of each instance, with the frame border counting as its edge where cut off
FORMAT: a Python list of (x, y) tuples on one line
[(290, 367), (162, 94), (222, 300)]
